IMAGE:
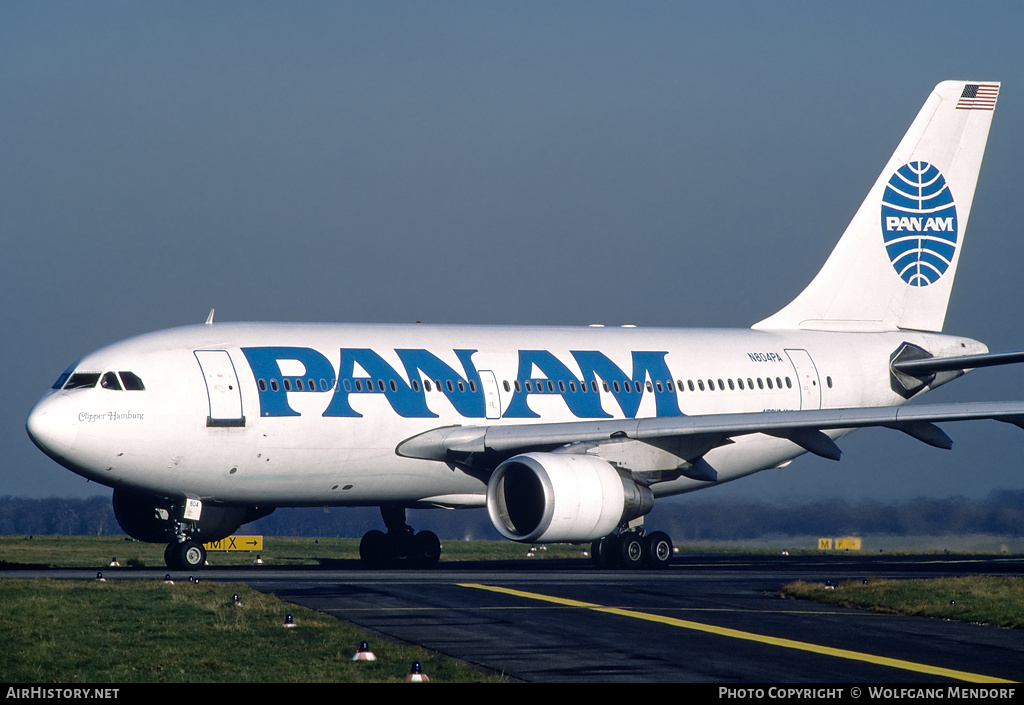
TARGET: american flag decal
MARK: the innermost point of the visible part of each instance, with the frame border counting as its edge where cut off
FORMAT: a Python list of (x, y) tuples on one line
[(978, 96)]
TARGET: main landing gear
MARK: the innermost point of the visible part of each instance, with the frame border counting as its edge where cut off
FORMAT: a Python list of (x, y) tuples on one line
[(400, 546), (632, 550)]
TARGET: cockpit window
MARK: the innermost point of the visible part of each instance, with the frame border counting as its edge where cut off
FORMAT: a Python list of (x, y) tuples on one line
[(109, 381), (82, 380), (131, 381)]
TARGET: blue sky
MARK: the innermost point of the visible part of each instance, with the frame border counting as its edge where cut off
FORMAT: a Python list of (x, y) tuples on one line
[(660, 164)]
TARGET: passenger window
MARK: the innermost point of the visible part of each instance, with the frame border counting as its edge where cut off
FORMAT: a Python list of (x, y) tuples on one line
[(769, 380), (572, 386), (262, 384), (298, 385), (273, 385), (109, 381), (393, 385), (504, 384), (415, 385), (700, 384), (426, 384), (828, 380)]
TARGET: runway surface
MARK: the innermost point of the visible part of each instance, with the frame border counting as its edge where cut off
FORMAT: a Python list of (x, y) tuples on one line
[(707, 618)]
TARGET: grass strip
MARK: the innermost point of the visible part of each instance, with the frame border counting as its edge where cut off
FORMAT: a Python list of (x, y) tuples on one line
[(997, 601), (132, 631), (18, 550)]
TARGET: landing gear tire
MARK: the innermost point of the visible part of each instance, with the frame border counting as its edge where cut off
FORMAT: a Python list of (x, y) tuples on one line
[(426, 549), (373, 549), (400, 546), (659, 550), (187, 555), (631, 551), (604, 552)]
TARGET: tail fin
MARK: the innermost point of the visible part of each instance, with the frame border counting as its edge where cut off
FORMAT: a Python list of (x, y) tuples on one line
[(894, 266)]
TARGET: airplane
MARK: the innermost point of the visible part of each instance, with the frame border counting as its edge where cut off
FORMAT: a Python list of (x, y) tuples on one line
[(563, 434)]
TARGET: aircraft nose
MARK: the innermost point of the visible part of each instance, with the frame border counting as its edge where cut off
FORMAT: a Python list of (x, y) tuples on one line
[(53, 425)]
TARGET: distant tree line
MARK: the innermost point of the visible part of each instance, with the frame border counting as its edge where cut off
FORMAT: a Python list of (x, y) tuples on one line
[(1001, 513), (71, 517), (689, 519)]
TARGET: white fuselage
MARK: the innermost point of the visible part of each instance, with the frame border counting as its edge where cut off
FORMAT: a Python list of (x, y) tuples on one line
[(311, 414)]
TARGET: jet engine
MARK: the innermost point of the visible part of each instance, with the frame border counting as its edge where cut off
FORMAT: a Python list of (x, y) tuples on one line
[(562, 497), (153, 519)]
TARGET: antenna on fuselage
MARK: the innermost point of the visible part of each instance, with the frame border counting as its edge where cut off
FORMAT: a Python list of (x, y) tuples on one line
[(209, 319)]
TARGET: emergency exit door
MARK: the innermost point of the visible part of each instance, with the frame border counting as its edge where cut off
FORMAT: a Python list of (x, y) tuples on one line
[(807, 378)]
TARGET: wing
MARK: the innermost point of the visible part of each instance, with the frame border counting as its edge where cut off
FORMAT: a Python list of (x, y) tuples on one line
[(690, 437)]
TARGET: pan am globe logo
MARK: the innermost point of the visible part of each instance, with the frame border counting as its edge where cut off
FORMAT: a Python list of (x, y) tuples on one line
[(919, 223)]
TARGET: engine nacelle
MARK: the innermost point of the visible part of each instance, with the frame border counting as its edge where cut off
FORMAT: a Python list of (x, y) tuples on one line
[(562, 497), (151, 519)]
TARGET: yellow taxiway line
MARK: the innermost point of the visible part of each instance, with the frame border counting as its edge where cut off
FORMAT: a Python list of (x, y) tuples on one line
[(748, 636)]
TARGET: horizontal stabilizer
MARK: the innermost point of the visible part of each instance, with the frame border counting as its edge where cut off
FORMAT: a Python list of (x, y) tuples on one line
[(929, 365)]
